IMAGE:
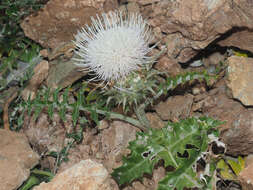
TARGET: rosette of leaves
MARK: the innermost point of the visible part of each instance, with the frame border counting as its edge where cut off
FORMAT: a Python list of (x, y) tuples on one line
[(134, 89)]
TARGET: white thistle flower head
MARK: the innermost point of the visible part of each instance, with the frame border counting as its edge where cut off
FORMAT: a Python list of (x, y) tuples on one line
[(114, 45)]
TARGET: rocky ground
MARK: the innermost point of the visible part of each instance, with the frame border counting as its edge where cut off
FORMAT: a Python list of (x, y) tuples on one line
[(198, 35)]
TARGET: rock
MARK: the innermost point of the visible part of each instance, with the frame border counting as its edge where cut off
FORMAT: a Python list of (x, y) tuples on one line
[(16, 159), (246, 177), (239, 78), (103, 125), (107, 147), (238, 138), (63, 73), (40, 74), (158, 174), (86, 175), (155, 121), (165, 64), (133, 7), (138, 185), (239, 38), (192, 25), (88, 149), (175, 108), (213, 59), (237, 131), (44, 53), (58, 21), (114, 143), (47, 135)]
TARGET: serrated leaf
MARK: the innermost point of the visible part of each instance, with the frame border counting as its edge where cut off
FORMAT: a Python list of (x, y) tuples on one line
[(225, 171), (241, 161), (167, 144), (94, 117), (237, 167), (92, 95), (46, 95), (37, 110)]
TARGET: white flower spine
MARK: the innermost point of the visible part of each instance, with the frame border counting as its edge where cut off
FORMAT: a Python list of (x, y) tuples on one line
[(114, 45)]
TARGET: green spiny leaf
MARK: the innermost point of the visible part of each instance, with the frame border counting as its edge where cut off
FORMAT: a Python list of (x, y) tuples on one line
[(168, 144), (56, 95), (62, 112), (50, 110), (225, 171), (65, 96), (75, 113)]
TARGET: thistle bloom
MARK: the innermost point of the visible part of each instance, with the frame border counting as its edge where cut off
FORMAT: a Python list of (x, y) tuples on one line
[(114, 45)]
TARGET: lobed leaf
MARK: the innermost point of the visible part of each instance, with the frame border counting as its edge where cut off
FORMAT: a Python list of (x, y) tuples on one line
[(170, 144)]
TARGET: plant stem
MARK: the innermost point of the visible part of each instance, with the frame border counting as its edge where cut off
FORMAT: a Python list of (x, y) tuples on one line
[(43, 173), (113, 115), (141, 115)]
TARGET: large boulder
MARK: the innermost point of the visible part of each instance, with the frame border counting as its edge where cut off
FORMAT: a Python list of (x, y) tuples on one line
[(58, 21)]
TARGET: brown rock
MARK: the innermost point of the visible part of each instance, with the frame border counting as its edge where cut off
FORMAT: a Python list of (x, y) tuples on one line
[(246, 177), (133, 7), (158, 174), (16, 159), (107, 147), (237, 131), (44, 53), (240, 38), (238, 138), (166, 64), (40, 74), (63, 73), (192, 25), (57, 22), (175, 108), (138, 185), (155, 121), (86, 175), (44, 135), (213, 59), (239, 78), (115, 141)]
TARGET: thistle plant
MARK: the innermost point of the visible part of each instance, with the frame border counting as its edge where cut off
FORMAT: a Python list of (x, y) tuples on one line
[(116, 49)]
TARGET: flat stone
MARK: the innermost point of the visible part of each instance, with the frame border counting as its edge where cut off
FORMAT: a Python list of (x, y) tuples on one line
[(63, 73), (85, 175), (175, 108), (239, 79), (16, 159), (58, 21)]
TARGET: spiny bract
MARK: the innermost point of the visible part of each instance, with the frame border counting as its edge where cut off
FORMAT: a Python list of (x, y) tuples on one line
[(114, 45)]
